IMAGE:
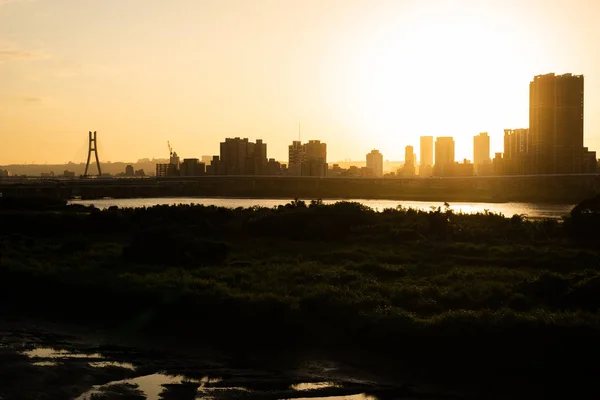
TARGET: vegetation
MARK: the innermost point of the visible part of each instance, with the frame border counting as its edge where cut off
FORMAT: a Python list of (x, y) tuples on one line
[(443, 295)]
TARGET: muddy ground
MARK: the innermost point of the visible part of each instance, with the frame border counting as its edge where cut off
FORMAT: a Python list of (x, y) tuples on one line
[(54, 362)]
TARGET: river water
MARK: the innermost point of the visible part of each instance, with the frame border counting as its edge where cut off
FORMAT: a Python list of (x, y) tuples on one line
[(531, 210)]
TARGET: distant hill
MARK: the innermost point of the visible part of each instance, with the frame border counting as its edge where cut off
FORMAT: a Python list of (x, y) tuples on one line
[(113, 168)]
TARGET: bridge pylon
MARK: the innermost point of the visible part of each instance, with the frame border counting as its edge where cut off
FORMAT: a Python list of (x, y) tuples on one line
[(92, 148)]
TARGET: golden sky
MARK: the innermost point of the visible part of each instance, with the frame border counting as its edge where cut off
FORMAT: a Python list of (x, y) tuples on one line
[(357, 74)]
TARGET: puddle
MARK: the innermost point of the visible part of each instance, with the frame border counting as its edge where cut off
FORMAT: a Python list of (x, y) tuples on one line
[(152, 385), (45, 364), (47, 352), (314, 386), (106, 364), (350, 397)]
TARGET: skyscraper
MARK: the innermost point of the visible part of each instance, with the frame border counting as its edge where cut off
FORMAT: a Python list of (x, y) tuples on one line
[(375, 162), (516, 151), (481, 151), (556, 124), (409, 161), (425, 167), (295, 157), (444, 156)]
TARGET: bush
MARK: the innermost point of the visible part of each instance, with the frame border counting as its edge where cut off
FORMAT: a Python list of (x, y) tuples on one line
[(160, 247)]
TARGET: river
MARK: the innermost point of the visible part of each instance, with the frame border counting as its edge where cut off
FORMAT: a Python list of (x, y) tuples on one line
[(531, 210)]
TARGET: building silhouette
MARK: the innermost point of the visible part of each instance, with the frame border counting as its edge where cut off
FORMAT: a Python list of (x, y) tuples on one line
[(295, 158), (315, 159), (426, 165), (242, 157), (309, 159), (465, 168), (481, 153), (556, 124), (444, 156), (590, 163), (129, 171), (256, 159), (273, 167), (192, 167), (375, 162), (516, 157), (410, 160)]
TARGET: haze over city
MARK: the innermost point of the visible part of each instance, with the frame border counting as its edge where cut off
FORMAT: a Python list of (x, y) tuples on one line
[(356, 74)]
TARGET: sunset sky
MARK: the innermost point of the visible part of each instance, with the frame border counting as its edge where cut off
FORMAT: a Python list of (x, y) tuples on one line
[(357, 74)]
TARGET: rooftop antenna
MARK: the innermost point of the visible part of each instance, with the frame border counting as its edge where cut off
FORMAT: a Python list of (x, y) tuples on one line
[(299, 137)]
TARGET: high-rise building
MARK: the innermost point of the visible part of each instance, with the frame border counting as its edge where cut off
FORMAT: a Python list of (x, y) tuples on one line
[(129, 170), (242, 157), (426, 160), (256, 158), (410, 159), (315, 159), (295, 157), (233, 156), (481, 152), (516, 151), (444, 156), (498, 163), (556, 124), (375, 162)]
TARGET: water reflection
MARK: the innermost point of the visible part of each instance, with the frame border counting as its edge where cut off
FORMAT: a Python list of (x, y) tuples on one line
[(152, 386), (361, 396), (313, 386), (106, 364), (48, 352), (45, 364), (531, 210)]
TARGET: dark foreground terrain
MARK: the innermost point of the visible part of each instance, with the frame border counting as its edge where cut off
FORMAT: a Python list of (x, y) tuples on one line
[(481, 305)]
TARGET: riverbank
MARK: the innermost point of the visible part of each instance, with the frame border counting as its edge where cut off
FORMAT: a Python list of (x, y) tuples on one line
[(499, 303), (555, 189)]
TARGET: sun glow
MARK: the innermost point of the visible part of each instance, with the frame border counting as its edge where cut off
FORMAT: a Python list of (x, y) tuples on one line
[(442, 75)]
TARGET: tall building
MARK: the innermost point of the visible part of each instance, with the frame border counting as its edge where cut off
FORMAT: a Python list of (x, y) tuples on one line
[(481, 152), (516, 152), (242, 157), (425, 168), (129, 170), (409, 161), (444, 156), (295, 157), (315, 159), (375, 162), (256, 158), (233, 156), (556, 124)]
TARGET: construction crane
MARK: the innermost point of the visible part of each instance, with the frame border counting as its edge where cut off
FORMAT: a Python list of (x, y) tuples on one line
[(170, 149)]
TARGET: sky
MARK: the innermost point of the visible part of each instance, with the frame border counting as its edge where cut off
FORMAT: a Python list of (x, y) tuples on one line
[(357, 74)]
